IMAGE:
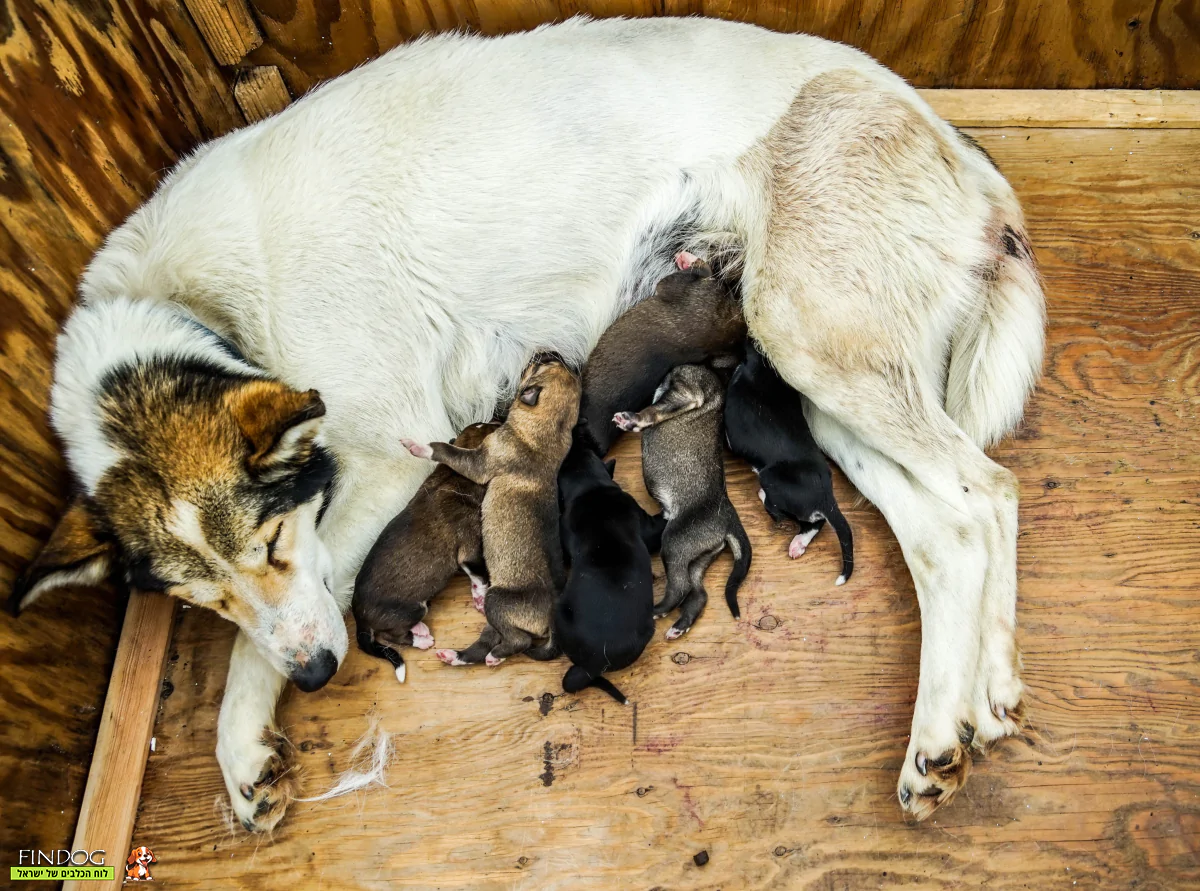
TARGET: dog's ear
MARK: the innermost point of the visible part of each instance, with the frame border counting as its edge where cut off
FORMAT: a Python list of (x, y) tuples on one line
[(74, 555), (529, 395), (153, 858), (132, 858), (280, 426), (611, 466)]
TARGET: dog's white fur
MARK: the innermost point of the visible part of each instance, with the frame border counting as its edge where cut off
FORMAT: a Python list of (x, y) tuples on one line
[(404, 238)]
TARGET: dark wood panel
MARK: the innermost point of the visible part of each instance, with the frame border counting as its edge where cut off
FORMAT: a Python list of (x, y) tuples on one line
[(1039, 44), (97, 99), (773, 743)]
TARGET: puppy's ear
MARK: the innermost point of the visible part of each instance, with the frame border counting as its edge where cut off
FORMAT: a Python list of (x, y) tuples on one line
[(74, 555), (611, 466), (153, 857), (280, 426), (132, 858), (530, 395)]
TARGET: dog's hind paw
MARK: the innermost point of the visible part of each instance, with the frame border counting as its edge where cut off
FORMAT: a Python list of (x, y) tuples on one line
[(928, 783), (493, 661), (422, 637), (450, 657), (260, 804), (479, 596)]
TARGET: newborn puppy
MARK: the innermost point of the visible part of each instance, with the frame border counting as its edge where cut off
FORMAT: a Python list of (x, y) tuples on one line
[(414, 557), (605, 615), (684, 471), (690, 317), (519, 465), (764, 423)]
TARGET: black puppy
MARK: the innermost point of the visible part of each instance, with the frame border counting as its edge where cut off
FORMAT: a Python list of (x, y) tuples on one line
[(605, 615), (764, 424)]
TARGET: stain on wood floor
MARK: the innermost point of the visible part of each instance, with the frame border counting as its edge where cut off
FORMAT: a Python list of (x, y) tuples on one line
[(773, 743)]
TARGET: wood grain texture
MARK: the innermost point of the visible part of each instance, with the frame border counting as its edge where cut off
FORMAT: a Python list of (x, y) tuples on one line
[(114, 782), (773, 743), (228, 27), (1034, 44), (97, 99), (260, 92), (1120, 109)]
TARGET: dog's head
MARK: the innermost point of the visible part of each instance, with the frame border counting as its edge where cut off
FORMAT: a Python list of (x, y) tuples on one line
[(203, 480), (142, 855), (547, 395)]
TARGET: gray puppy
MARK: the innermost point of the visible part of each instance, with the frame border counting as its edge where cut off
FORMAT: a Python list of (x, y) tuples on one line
[(684, 470)]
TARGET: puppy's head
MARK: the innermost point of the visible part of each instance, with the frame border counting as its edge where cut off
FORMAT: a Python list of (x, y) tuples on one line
[(206, 485), (548, 396)]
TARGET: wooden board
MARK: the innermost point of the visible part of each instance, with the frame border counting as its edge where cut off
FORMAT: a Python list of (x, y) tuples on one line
[(96, 101), (260, 93), (1118, 109), (1033, 44), (773, 743), (123, 742)]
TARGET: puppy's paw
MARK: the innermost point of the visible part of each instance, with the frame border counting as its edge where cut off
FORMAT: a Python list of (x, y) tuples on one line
[(450, 657), (627, 421), (685, 260), (422, 636), (801, 542), (675, 632), (478, 595), (416, 449), (492, 661)]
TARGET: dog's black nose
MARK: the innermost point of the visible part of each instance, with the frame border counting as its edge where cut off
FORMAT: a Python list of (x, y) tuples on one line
[(316, 673)]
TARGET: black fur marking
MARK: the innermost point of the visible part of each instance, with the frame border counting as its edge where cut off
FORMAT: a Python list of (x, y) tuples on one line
[(140, 574), (314, 477)]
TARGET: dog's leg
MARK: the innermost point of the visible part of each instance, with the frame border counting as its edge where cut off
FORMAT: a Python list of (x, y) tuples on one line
[(800, 542), (679, 583), (471, 463), (697, 598), (475, 653), (476, 572), (671, 403), (253, 755), (513, 640)]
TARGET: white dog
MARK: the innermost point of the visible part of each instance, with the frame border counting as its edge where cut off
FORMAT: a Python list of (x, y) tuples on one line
[(382, 258)]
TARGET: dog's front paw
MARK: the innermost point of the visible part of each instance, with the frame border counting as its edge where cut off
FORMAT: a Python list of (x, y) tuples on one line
[(450, 657), (479, 595), (419, 450), (262, 781), (933, 774), (999, 709), (627, 421), (493, 661)]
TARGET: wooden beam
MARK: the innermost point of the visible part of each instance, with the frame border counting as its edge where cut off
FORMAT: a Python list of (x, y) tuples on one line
[(114, 782), (261, 92), (228, 27), (1067, 108)]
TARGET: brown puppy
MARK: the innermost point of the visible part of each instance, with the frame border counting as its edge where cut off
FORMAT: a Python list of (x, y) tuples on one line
[(521, 546), (691, 317), (416, 555)]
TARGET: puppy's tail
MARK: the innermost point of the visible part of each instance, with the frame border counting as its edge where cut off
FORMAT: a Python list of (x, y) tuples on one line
[(739, 546), (845, 539), (369, 645), (577, 679)]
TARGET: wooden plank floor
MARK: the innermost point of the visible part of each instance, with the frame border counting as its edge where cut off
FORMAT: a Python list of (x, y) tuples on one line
[(773, 743)]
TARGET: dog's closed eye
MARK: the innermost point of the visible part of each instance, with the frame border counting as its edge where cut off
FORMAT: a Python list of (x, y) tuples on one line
[(529, 396)]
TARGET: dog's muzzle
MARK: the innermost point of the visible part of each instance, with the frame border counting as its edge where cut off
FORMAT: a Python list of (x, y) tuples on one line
[(316, 672)]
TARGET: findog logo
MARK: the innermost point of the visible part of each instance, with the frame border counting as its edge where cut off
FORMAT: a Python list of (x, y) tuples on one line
[(137, 867)]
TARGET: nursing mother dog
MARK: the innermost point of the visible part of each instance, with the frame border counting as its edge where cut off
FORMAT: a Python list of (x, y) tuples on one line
[(381, 259)]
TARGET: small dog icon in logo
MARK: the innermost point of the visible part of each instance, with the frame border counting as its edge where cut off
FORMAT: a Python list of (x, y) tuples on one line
[(137, 867)]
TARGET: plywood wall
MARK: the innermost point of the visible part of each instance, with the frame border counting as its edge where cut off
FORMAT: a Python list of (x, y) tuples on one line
[(97, 99), (1040, 44)]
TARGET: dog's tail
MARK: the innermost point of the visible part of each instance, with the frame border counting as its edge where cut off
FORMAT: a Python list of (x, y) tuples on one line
[(577, 678), (996, 357), (369, 645), (845, 539), (739, 546)]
